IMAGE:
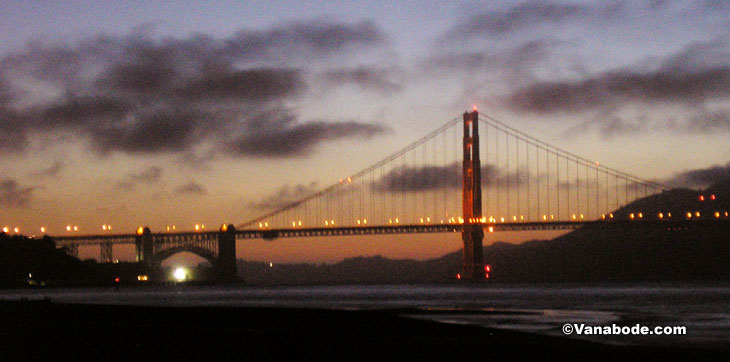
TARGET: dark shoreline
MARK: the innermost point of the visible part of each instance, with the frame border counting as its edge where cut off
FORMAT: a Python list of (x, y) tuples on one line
[(44, 330)]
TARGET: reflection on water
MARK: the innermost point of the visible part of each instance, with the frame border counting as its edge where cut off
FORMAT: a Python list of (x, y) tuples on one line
[(704, 310)]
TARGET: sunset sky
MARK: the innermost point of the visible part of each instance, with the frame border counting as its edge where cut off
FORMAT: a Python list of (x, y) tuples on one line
[(155, 113)]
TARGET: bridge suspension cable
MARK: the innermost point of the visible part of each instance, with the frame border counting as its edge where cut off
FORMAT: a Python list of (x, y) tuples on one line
[(333, 194), (524, 180)]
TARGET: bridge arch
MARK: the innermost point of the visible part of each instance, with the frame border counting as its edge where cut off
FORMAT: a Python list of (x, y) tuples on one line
[(202, 252)]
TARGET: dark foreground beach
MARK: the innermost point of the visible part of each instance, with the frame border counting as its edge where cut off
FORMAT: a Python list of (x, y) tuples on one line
[(43, 330)]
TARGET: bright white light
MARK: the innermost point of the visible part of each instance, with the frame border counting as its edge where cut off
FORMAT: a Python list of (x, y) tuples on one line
[(179, 274)]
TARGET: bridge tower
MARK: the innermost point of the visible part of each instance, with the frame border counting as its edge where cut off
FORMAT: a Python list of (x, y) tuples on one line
[(144, 246), (472, 233), (227, 254)]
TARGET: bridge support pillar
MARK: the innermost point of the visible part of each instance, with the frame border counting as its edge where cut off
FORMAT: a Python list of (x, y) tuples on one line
[(227, 254), (144, 246), (472, 233), (106, 253)]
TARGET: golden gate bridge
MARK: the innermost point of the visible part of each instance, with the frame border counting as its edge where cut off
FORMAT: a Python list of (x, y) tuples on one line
[(473, 175)]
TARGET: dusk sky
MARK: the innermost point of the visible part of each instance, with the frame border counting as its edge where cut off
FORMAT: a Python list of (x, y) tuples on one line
[(156, 113)]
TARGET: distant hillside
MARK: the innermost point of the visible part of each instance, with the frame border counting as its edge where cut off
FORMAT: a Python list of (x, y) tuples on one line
[(359, 270), (594, 254), (590, 254)]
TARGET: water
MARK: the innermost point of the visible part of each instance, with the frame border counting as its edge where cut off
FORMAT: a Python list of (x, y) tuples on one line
[(703, 310)]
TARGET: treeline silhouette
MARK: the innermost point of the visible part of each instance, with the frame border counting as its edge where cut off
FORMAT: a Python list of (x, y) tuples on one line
[(26, 262)]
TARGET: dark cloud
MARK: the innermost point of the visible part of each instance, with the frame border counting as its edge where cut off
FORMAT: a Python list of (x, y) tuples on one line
[(309, 38), (5, 93), (709, 121), (522, 16), (80, 111), (692, 81), (12, 127), (613, 89), (50, 171), (278, 134), (12, 131), (700, 178), (155, 133), (137, 94), (612, 125), (149, 175), (378, 79), (146, 77), (425, 178), (191, 188), (285, 196), (13, 195), (246, 85)]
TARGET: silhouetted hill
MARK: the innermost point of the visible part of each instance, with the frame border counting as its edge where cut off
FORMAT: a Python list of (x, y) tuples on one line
[(358, 270), (590, 254), (27, 261), (596, 254), (678, 202), (30, 262)]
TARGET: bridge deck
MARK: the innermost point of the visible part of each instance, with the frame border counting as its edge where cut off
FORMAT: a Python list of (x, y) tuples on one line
[(269, 234)]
